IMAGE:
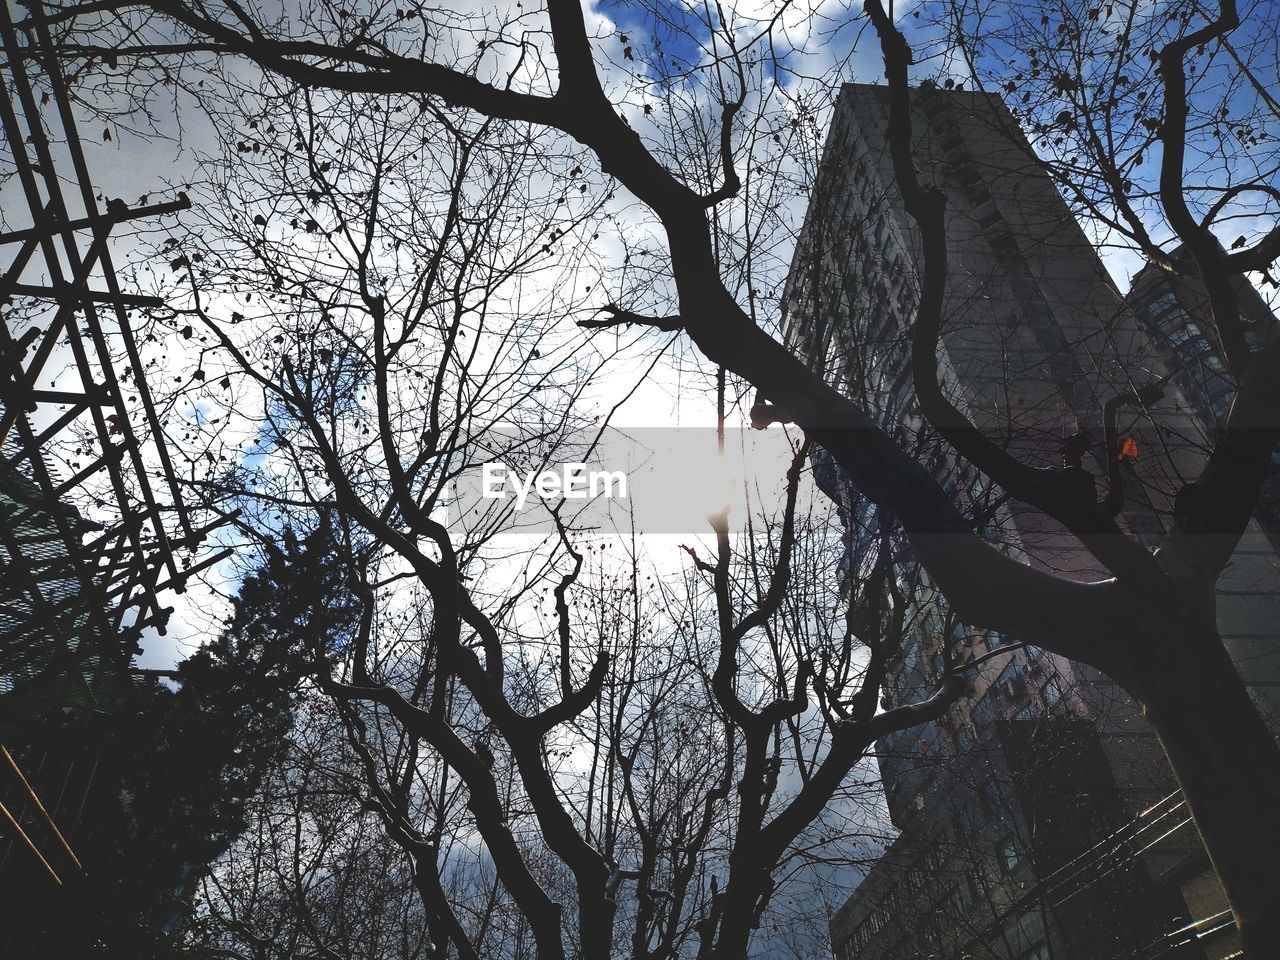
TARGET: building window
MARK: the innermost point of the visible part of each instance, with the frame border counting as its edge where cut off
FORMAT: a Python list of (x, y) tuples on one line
[(977, 886), (958, 902), (937, 663), (911, 656), (982, 714), (1009, 856), (1010, 682), (1052, 693), (992, 801), (929, 624), (1026, 713)]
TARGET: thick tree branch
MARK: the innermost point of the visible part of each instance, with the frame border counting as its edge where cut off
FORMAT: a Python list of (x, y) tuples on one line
[(1197, 236), (1211, 514), (484, 802), (618, 317), (1143, 397), (361, 71), (780, 576)]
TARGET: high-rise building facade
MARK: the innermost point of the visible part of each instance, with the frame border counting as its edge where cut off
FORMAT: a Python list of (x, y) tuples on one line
[(1026, 815), (1179, 318), (1177, 312)]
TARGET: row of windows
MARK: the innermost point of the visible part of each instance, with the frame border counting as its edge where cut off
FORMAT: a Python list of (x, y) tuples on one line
[(906, 890), (956, 903)]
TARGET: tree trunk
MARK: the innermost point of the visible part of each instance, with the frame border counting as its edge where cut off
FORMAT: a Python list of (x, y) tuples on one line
[(1228, 765), (742, 897)]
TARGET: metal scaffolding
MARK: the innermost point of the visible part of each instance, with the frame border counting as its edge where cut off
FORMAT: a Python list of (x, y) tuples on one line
[(92, 517)]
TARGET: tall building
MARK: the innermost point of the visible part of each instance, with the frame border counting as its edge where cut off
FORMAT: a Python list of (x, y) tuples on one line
[(1033, 837), (1177, 312), (1179, 318), (55, 637)]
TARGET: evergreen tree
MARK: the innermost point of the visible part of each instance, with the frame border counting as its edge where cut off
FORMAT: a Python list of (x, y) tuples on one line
[(178, 763)]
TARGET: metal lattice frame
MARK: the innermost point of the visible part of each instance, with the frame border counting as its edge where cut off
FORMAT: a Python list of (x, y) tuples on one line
[(75, 592)]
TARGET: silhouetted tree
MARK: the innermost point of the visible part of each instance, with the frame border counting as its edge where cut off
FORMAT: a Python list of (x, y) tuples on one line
[(1150, 623), (179, 757)]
